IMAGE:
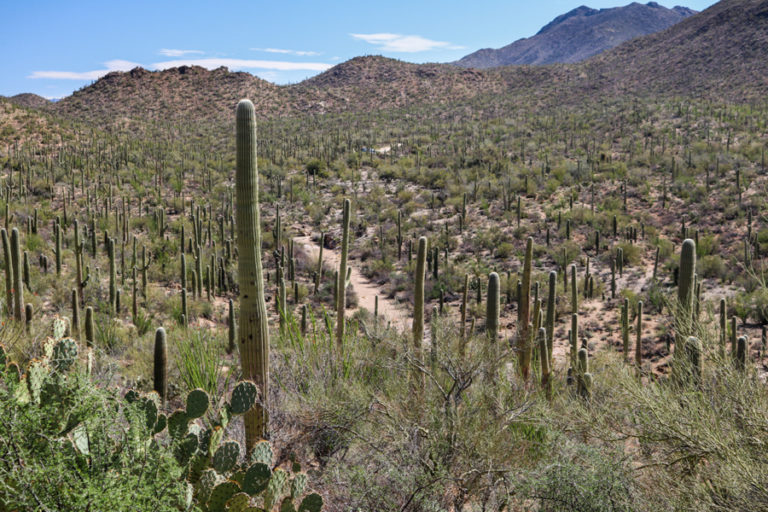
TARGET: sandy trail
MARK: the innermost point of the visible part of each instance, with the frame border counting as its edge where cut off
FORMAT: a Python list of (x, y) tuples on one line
[(366, 290)]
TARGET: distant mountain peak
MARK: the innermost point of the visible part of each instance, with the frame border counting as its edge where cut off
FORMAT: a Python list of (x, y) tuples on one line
[(579, 34)]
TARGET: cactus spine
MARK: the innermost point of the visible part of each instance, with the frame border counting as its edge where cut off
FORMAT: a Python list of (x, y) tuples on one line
[(341, 293), (254, 331)]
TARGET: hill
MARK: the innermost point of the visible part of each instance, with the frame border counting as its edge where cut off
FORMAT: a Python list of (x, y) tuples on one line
[(185, 93), (720, 53), (29, 100), (580, 34)]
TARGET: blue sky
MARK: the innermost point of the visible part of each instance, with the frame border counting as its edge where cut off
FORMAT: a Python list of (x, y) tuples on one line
[(53, 47)]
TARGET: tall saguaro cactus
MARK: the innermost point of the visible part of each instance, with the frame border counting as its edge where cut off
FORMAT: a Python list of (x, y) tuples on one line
[(492, 307), (341, 286), (524, 339), (253, 334), (18, 286), (418, 294), (686, 290)]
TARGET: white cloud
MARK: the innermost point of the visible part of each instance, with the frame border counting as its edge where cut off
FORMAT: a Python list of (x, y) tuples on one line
[(287, 52), (403, 43), (179, 53), (112, 65), (213, 63)]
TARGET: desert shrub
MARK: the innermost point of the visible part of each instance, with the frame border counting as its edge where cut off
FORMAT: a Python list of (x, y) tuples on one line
[(711, 266)]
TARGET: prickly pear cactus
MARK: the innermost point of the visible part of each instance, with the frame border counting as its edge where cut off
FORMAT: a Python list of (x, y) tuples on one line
[(256, 478), (221, 495), (262, 452), (197, 403), (36, 374), (64, 354), (243, 397), (60, 327), (275, 488), (311, 503), (218, 480), (225, 458)]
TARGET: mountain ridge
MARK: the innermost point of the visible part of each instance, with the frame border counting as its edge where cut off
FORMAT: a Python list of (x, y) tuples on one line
[(720, 52), (580, 34)]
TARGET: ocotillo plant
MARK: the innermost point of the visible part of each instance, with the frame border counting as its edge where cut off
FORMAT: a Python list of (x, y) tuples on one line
[(341, 299), (253, 334), (524, 335), (161, 365), (418, 294)]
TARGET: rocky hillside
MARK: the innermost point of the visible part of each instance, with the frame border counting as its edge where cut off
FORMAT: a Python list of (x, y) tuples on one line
[(721, 52), (187, 93), (580, 34), (29, 100)]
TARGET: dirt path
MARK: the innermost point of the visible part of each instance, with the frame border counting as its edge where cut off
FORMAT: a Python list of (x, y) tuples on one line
[(366, 290)]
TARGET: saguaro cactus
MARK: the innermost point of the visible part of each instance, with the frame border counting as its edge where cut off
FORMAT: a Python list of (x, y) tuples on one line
[(550, 320), (523, 340), (89, 328), (492, 308), (341, 298), (253, 335), (8, 271), (685, 289), (639, 340), (161, 365), (18, 286), (418, 294)]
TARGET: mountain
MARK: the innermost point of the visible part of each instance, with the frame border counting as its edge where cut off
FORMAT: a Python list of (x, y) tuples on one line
[(580, 34), (29, 100), (186, 93), (721, 53)]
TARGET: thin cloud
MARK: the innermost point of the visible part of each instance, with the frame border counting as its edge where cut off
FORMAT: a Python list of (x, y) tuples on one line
[(404, 43), (213, 63), (283, 51), (169, 52), (112, 65)]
